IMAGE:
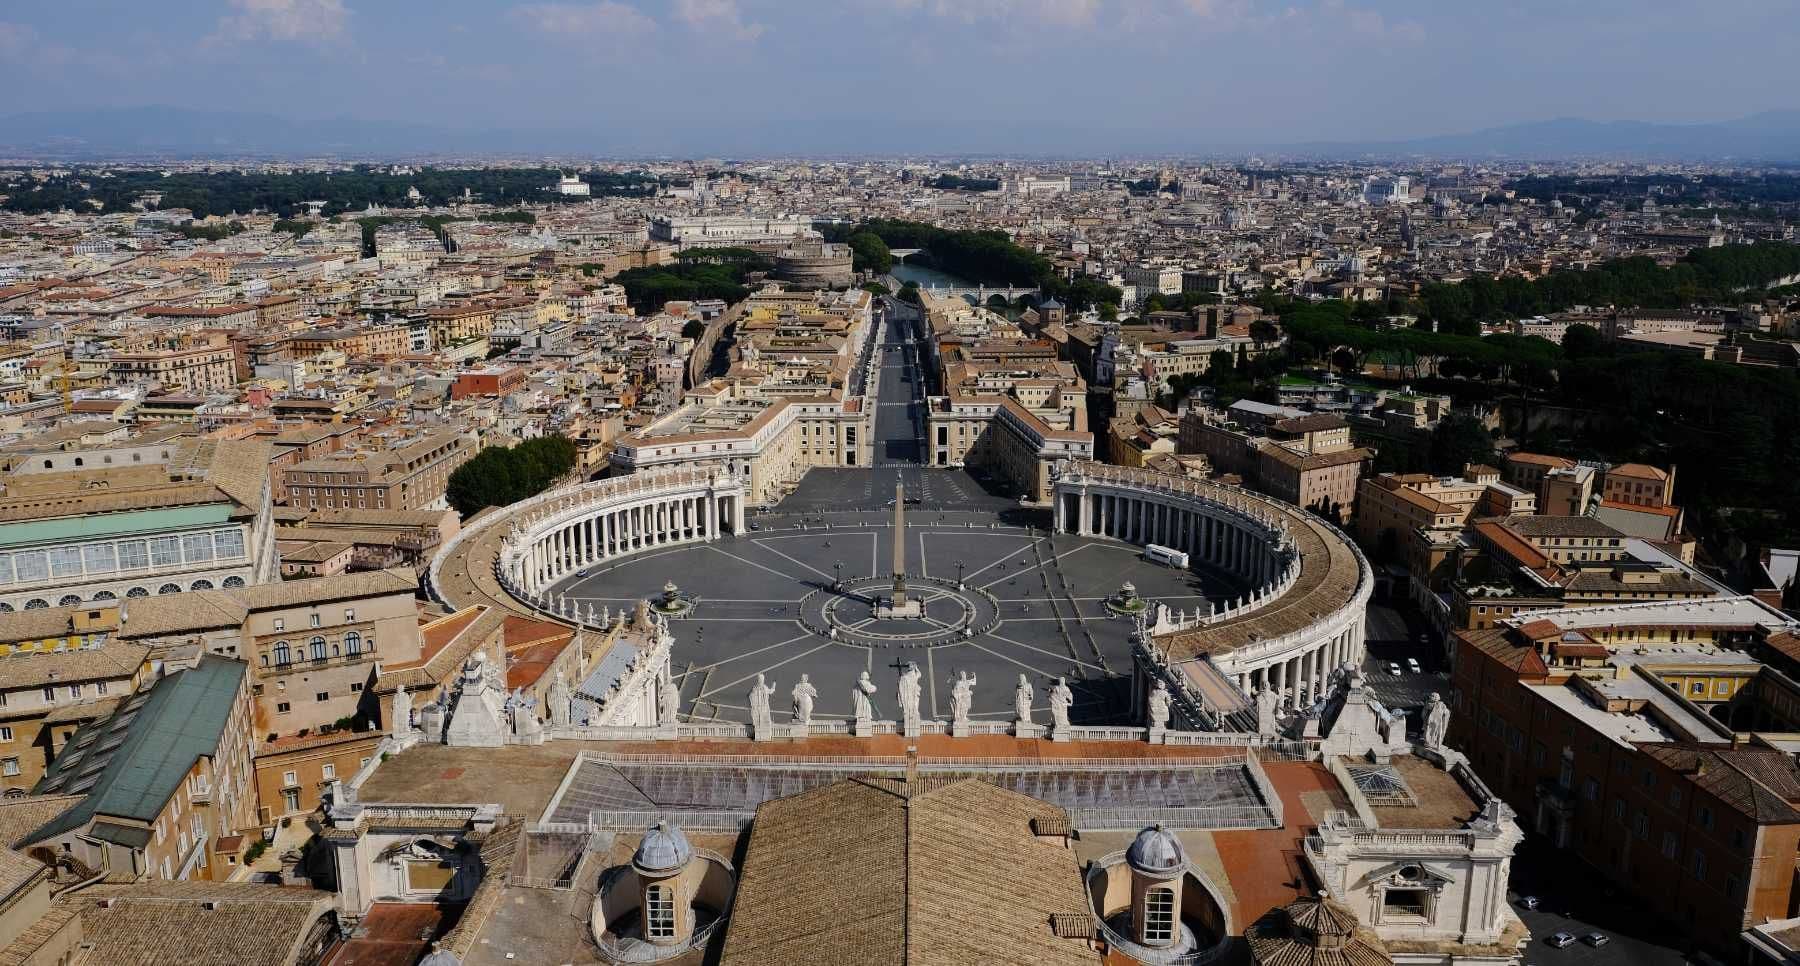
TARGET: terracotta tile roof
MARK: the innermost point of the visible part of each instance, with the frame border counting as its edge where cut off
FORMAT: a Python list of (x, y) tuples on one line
[(168, 924), (1760, 783), (933, 872)]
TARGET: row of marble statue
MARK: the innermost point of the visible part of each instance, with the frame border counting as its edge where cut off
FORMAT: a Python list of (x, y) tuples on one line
[(962, 699)]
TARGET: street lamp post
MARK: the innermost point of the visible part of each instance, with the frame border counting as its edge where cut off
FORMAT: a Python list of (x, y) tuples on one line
[(838, 567), (959, 573)]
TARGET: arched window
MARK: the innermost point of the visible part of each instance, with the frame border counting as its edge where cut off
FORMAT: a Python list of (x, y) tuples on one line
[(137, 592), (1159, 916), (68, 600), (659, 912), (352, 643), (201, 585), (318, 648), (106, 595), (232, 583), (282, 654), (36, 603), (5, 608), (169, 589)]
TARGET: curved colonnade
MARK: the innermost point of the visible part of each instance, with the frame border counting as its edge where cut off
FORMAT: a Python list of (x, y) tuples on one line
[(1303, 616), (513, 555)]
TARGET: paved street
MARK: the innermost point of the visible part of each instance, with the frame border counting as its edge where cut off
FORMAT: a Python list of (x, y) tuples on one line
[(1574, 900)]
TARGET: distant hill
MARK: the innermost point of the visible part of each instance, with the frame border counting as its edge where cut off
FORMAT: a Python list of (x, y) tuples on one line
[(181, 132), (1771, 136)]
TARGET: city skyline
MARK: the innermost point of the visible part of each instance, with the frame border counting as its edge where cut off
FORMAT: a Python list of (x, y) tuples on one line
[(1064, 77)]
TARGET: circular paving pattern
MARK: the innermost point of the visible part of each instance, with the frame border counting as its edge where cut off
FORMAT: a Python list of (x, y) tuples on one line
[(1030, 603), (853, 613)]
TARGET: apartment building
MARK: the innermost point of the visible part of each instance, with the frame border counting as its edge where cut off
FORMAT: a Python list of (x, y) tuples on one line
[(1304, 458), (406, 472), (166, 778), (59, 668), (189, 365), (1587, 723), (95, 525)]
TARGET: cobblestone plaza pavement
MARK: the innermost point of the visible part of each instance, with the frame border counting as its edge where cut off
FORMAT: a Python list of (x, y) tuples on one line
[(1031, 603)]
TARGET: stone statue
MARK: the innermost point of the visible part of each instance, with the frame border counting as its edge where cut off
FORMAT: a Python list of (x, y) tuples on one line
[(1266, 703), (1437, 721), (1022, 696), (668, 700), (558, 700), (1159, 707), (402, 724), (909, 698), (962, 697), (1060, 699), (762, 723), (804, 695), (859, 698)]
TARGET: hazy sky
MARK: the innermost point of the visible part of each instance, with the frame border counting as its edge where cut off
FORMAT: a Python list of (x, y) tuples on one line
[(1110, 71)]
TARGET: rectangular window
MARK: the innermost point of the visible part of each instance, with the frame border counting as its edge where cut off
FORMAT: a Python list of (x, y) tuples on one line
[(6, 734), (280, 625), (197, 547), (100, 688), (229, 543), (99, 558), (133, 555), (65, 562), (329, 771), (659, 912), (50, 693), (281, 708), (323, 696), (9, 766), (1670, 845), (32, 565), (165, 551), (1699, 865)]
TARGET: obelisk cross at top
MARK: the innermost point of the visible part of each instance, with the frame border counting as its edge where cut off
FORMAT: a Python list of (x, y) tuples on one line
[(899, 600)]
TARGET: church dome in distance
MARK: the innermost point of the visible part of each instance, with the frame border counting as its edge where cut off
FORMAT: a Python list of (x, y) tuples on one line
[(663, 850), (1156, 852)]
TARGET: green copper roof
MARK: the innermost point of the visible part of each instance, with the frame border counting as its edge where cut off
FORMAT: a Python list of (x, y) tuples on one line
[(101, 525), (138, 756)]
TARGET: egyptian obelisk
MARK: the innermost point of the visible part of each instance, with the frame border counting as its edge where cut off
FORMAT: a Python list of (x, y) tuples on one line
[(898, 603)]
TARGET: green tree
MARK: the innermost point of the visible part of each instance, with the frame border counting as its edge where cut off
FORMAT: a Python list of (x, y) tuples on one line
[(870, 254), (504, 475), (694, 329), (1458, 440)]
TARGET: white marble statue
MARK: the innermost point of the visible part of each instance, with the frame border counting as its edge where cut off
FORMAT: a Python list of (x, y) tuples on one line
[(558, 700), (1159, 706), (762, 723), (402, 724), (910, 689), (668, 700), (1437, 721), (1267, 702), (1060, 699), (859, 698), (962, 697), (804, 696), (1022, 696)]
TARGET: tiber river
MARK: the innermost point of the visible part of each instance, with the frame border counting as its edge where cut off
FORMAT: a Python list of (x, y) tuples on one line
[(927, 277)]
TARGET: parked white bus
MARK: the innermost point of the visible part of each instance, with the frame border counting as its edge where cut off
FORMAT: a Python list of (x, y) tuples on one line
[(1166, 556)]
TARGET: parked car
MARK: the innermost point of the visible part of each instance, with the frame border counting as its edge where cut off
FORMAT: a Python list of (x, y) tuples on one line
[(582, 572), (1560, 939), (1596, 939), (1412, 664), (1529, 902), (1393, 669)]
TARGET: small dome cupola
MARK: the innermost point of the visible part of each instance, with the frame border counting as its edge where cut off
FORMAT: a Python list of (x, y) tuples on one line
[(1157, 853), (1158, 864), (664, 851)]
